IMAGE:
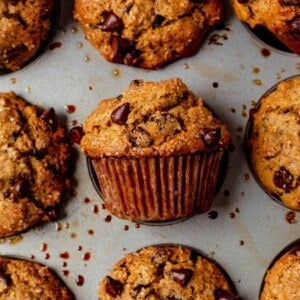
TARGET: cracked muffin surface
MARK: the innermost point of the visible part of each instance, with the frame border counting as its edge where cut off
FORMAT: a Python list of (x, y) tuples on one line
[(274, 142), (147, 34), (34, 155), (280, 17), (24, 279), (166, 272), (24, 27)]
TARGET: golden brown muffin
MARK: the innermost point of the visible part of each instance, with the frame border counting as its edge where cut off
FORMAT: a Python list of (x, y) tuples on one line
[(22, 279), (280, 17), (34, 155), (166, 272), (147, 34), (273, 142), (283, 277), (156, 150), (24, 28)]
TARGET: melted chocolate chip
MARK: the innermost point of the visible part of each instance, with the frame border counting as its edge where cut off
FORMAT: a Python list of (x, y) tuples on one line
[(221, 294), (294, 26), (181, 276), (113, 287), (20, 188), (283, 179), (48, 116), (211, 137), (76, 134), (120, 114), (290, 2), (158, 20), (120, 47), (112, 22)]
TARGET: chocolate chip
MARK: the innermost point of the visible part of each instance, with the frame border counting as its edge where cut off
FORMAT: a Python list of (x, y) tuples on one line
[(76, 134), (112, 22), (158, 20), (4, 281), (131, 58), (53, 213), (113, 287), (211, 136), (221, 294), (295, 250), (181, 276), (294, 26), (120, 114), (283, 179), (20, 188), (48, 116), (139, 137), (291, 2), (120, 47)]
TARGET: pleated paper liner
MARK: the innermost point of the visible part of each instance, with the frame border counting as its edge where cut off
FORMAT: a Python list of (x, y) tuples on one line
[(46, 44), (248, 133), (158, 190)]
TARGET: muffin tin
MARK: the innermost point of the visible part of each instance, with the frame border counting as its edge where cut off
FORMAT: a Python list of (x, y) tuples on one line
[(244, 229)]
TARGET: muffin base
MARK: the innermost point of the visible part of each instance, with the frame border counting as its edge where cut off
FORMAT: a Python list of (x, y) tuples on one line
[(158, 188)]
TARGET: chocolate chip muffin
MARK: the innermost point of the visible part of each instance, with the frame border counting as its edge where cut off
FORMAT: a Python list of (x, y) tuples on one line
[(34, 155), (280, 17), (282, 278), (23, 279), (156, 150), (24, 28), (273, 142), (166, 272), (147, 34)]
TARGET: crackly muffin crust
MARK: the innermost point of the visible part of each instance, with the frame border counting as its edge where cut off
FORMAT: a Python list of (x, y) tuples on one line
[(34, 155), (147, 34), (282, 279), (23, 279), (274, 142), (24, 27), (153, 119), (280, 17), (165, 272)]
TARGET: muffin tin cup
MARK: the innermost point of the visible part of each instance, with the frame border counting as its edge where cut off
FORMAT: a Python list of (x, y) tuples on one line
[(291, 248), (158, 189), (248, 133)]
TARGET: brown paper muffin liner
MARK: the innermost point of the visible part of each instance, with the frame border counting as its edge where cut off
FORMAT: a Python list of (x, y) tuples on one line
[(158, 188)]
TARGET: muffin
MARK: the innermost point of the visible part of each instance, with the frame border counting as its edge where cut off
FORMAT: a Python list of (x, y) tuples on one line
[(282, 278), (156, 151), (23, 279), (147, 34), (166, 272), (24, 28), (281, 18), (34, 155), (273, 142)]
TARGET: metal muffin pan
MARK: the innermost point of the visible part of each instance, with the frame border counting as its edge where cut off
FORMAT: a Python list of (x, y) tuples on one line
[(245, 228)]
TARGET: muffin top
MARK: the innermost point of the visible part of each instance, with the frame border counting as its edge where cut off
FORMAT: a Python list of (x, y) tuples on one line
[(282, 279), (274, 142), (23, 279), (34, 157), (24, 27), (153, 119), (147, 34), (165, 272), (281, 17)]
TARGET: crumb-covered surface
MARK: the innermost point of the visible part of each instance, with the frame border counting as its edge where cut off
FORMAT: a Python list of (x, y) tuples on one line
[(147, 34), (274, 142), (280, 17), (34, 157), (167, 272), (22, 279), (153, 118), (24, 27), (282, 279)]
